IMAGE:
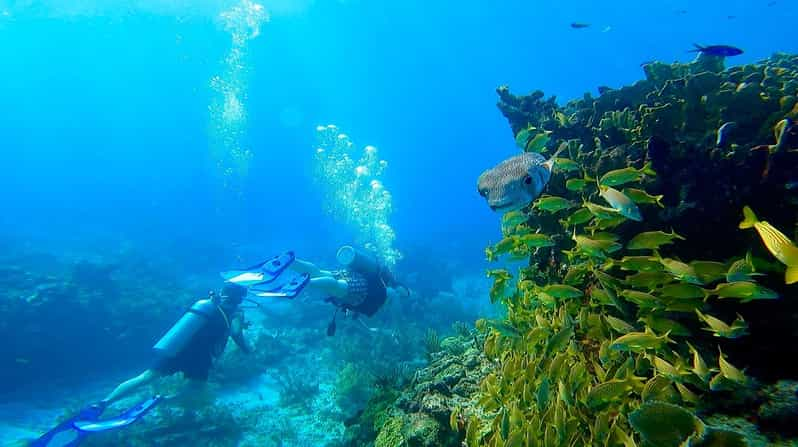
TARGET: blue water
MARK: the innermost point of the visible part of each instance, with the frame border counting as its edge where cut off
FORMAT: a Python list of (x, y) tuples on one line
[(104, 122)]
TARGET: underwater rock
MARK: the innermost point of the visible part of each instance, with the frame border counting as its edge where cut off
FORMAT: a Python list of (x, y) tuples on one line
[(779, 412), (420, 413), (660, 328), (524, 109), (671, 119), (665, 425)]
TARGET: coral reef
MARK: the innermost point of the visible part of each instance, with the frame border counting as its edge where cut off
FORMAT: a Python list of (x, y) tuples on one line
[(619, 323), (49, 305), (637, 304), (432, 409), (352, 389)]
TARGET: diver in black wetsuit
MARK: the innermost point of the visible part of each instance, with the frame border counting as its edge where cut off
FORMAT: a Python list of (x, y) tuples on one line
[(192, 344), (360, 288)]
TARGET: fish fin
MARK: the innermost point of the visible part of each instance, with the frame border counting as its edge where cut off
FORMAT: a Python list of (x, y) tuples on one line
[(559, 150), (648, 169), (677, 236), (791, 276), (749, 219), (698, 48), (549, 164)]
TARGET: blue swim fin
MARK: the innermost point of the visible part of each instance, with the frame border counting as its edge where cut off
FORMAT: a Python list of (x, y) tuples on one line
[(74, 430), (289, 289), (66, 434), (262, 273), (124, 419)]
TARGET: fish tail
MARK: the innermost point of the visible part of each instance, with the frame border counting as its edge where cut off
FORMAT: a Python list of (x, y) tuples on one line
[(749, 219), (658, 199), (648, 169), (791, 276), (550, 162), (698, 48)]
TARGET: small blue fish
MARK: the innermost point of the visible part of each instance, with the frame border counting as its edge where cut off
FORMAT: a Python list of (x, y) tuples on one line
[(717, 50)]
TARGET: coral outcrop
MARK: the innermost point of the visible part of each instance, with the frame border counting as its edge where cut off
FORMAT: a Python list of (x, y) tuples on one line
[(647, 314), (639, 301), (432, 409)]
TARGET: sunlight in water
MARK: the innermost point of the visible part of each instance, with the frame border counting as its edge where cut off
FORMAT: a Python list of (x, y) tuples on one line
[(228, 114), (354, 192)]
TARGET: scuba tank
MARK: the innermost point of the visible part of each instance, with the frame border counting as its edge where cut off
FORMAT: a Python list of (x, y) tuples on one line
[(355, 259), (364, 263), (194, 319), (358, 260)]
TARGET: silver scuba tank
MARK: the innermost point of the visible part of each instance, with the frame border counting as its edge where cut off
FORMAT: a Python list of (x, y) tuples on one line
[(364, 263), (357, 260), (189, 324)]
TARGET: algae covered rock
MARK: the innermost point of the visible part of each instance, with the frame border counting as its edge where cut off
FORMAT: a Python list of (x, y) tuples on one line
[(414, 430), (647, 311), (421, 413), (780, 406), (662, 424)]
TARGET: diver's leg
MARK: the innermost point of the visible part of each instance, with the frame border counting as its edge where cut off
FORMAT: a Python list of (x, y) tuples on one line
[(129, 386), (330, 286), (301, 266)]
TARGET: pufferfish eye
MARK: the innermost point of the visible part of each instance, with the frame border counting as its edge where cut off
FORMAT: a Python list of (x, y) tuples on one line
[(527, 180)]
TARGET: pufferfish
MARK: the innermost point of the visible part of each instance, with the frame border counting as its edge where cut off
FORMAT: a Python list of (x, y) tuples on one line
[(517, 181)]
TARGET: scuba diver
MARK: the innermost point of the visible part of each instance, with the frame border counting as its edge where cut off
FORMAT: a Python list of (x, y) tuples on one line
[(190, 346), (194, 342), (361, 287), (200, 336)]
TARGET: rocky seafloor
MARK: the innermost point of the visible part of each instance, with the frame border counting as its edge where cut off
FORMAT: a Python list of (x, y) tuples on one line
[(674, 330)]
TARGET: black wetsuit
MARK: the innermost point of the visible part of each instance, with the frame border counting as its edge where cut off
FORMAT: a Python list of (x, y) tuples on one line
[(366, 292), (196, 358)]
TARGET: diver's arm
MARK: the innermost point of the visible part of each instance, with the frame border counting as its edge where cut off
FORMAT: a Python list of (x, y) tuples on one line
[(237, 333)]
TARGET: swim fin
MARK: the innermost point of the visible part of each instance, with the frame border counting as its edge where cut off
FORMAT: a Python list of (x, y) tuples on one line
[(66, 434), (73, 431), (290, 289), (262, 273), (124, 419)]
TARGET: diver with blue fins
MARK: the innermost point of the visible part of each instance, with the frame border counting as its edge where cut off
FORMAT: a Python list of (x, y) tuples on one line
[(190, 346), (361, 287), (200, 336)]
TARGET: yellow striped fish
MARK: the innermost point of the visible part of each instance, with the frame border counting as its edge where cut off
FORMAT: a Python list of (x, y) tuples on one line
[(779, 245)]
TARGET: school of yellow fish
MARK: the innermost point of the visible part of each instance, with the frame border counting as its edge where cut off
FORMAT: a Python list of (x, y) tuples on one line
[(597, 345)]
